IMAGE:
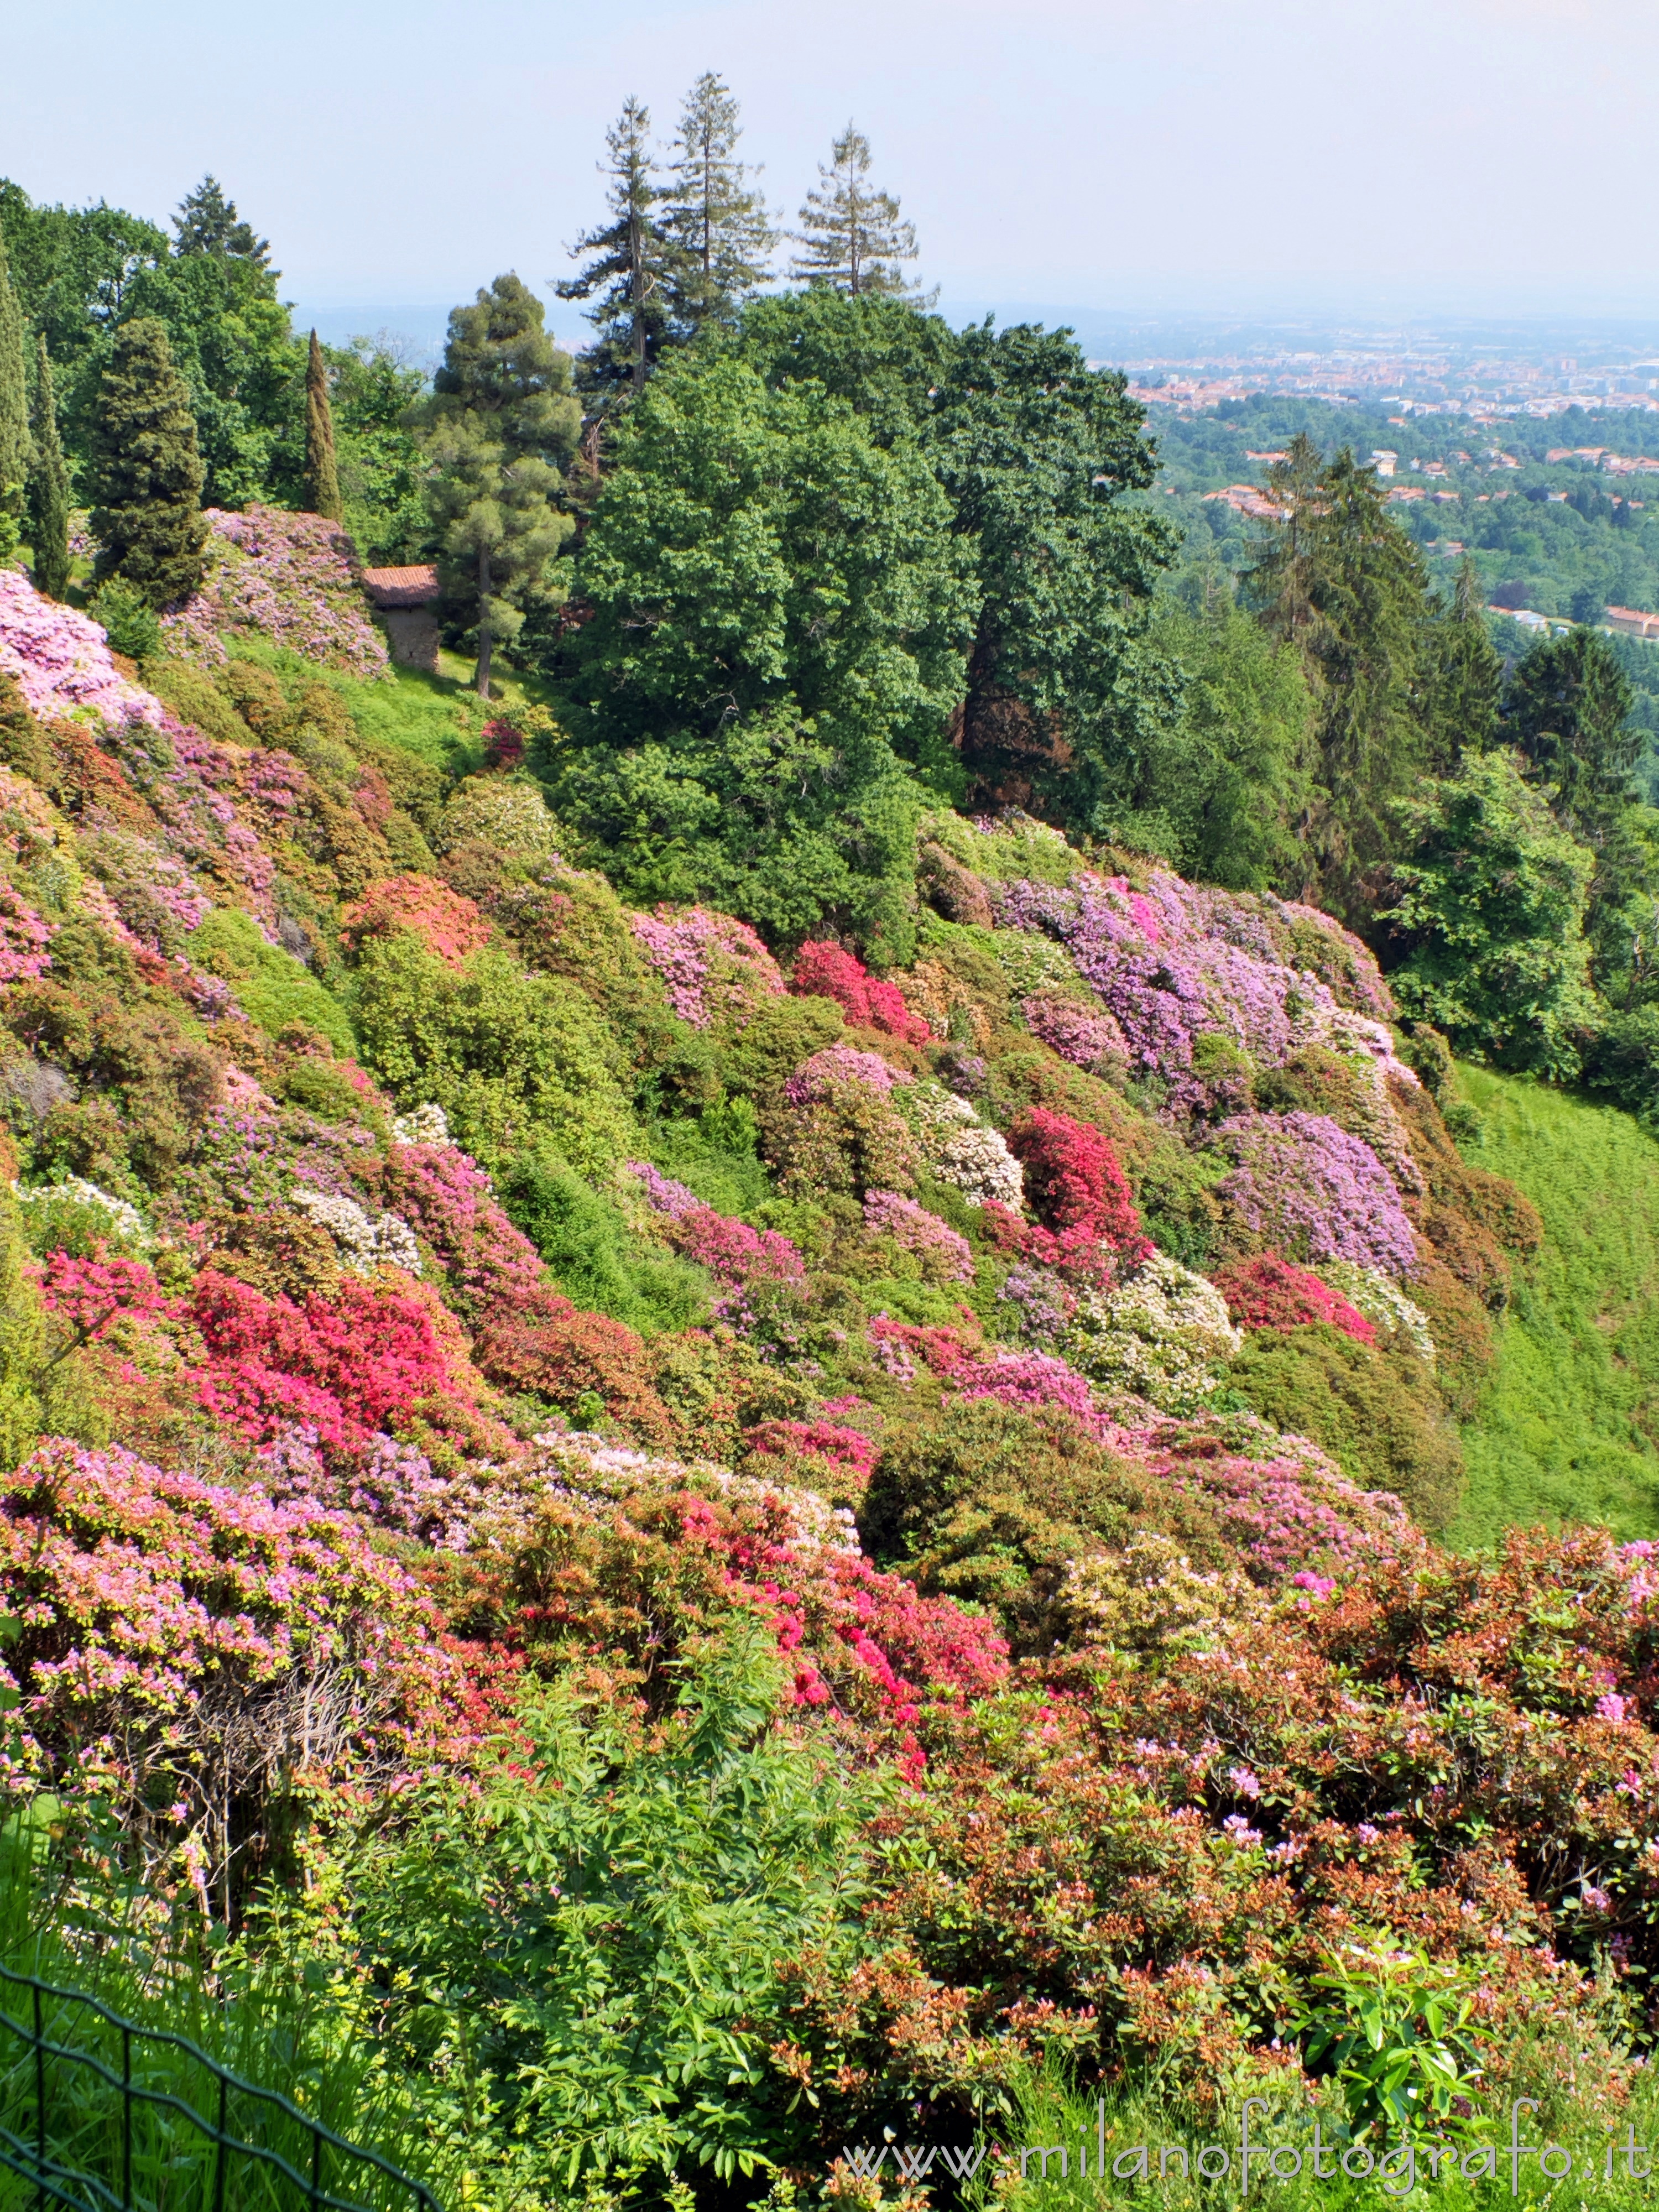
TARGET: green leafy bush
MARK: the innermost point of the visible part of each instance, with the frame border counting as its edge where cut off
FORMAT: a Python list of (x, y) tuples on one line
[(592, 1254)]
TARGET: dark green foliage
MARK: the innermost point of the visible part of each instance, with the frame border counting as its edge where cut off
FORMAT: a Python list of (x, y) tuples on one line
[(851, 236), (130, 621), (779, 612), (1342, 582), (73, 268), (1567, 710), (15, 443), (48, 486), (377, 456), (1465, 675), (207, 222), (1377, 1414), (715, 216), (322, 485), (147, 473), (592, 1255), (1492, 904), (499, 428), (885, 360), (21, 745), (634, 266)]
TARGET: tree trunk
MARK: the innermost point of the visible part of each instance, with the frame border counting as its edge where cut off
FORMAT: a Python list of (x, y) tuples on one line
[(485, 639)]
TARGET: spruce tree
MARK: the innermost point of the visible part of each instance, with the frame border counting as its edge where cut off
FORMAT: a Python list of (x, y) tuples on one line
[(1466, 676), (14, 398), (715, 217), (207, 222), (322, 475), (852, 235), (146, 471), (634, 266), (48, 489), (501, 426)]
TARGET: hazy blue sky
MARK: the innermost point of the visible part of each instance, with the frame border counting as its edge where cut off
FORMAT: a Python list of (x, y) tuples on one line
[(1482, 154)]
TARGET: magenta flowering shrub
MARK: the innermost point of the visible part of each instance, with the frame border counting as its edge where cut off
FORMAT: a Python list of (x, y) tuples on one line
[(816, 1080), (24, 938), (711, 965), (293, 578), (1301, 1182), (663, 1194), (944, 1254), (735, 1254)]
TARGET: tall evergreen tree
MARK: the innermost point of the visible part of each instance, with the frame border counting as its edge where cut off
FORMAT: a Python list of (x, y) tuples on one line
[(322, 474), (715, 217), (48, 488), (501, 426), (634, 266), (14, 398), (1465, 676), (207, 222), (851, 235), (146, 471)]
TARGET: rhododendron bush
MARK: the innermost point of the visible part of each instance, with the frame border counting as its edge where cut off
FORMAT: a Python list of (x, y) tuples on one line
[(342, 1458)]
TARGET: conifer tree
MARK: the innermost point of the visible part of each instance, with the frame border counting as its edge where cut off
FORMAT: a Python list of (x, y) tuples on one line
[(852, 235), (1466, 675), (322, 475), (501, 426), (14, 398), (715, 217), (207, 222), (146, 471), (635, 262), (48, 485)]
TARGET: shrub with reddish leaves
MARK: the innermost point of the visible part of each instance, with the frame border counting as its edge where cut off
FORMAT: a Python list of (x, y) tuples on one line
[(1268, 1292), (447, 923), (828, 971)]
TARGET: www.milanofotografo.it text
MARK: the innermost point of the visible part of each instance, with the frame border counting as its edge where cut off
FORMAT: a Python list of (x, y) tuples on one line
[(1251, 2161)]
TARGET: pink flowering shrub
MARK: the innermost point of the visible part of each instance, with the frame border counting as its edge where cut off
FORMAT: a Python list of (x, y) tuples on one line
[(193, 1649), (828, 971), (24, 938), (1268, 1292), (61, 660), (714, 966), (292, 578), (1015, 1378), (735, 1254), (946, 1254), (447, 923), (88, 1295), (1315, 1190), (1091, 1041), (663, 1194), (825, 1440), (816, 1080)]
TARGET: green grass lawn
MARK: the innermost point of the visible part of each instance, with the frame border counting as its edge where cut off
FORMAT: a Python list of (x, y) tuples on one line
[(1570, 1428)]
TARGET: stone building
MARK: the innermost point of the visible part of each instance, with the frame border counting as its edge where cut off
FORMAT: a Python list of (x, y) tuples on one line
[(405, 599)]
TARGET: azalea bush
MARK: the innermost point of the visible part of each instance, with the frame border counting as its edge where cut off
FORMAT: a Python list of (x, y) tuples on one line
[(289, 578)]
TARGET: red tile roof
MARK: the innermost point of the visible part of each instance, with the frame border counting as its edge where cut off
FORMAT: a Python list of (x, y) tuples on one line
[(401, 587)]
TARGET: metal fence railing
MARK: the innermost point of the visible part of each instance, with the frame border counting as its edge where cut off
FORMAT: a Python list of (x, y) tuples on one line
[(92, 2119)]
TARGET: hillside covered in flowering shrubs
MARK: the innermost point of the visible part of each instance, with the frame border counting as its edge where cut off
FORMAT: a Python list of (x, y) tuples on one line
[(484, 1368)]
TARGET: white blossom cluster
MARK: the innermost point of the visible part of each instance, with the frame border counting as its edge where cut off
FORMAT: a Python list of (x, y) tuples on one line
[(958, 1149), (1381, 1301), (73, 1190), (594, 1471), (427, 1125), (363, 1244), (1163, 1335)]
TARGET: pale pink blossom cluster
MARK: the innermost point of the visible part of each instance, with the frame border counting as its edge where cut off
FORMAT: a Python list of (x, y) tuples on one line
[(817, 1078), (710, 964), (23, 940), (917, 1231), (292, 578), (60, 660)]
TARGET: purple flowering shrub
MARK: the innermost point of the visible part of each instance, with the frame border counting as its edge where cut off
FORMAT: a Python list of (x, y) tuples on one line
[(945, 1255), (292, 578), (1304, 1184)]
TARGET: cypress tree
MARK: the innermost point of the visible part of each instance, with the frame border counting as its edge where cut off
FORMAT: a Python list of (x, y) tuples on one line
[(13, 398), (146, 471), (322, 476), (852, 234), (49, 499)]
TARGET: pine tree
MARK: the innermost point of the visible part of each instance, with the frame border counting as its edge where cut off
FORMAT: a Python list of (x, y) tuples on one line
[(500, 428), (635, 262), (14, 398), (146, 471), (48, 485), (207, 222), (716, 218), (322, 476), (852, 234)]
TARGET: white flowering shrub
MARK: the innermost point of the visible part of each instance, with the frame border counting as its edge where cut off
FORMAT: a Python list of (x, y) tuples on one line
[(426, 1125), (1381, 1301), (127, 1225), (1162, 1334), (958, 1149), (363, 1244)]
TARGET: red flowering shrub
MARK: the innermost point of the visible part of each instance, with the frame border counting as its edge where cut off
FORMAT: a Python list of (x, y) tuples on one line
[(89, 1294), (1087, 1224), (1268, 1292), (551, 1348), (503, 744), (447, 923), (828, 971), (348, 1365)]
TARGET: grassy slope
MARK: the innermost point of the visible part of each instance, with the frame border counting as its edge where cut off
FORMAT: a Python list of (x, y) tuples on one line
[(1570, 1428)]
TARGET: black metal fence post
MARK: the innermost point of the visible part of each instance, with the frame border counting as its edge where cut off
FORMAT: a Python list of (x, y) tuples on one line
[(126, 2119), (40, 2105)]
